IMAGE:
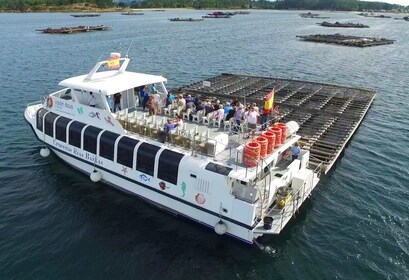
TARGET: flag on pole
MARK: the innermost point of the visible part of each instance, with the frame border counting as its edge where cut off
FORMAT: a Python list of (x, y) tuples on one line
[(268, 102), (113, 62)]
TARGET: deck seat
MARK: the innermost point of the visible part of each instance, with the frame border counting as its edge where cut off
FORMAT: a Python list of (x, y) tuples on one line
[(187, 114), (228, 124), (218, 122), (206, 119), (197, 117)]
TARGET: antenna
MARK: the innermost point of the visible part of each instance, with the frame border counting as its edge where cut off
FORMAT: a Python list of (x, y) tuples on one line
[(99, 59), (130, 45)]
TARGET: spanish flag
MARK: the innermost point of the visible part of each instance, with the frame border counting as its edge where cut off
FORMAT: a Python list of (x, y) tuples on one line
[(268, 102), (113, 62)]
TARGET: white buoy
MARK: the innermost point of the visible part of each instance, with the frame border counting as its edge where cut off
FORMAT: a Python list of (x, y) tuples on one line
[(220, 228), (45, 152), (95, 176)]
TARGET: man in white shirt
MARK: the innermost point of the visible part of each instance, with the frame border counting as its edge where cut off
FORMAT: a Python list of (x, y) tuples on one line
[(92, 100), (251, 119)]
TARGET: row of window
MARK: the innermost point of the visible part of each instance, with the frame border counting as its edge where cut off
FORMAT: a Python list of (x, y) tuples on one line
[(168, 165)]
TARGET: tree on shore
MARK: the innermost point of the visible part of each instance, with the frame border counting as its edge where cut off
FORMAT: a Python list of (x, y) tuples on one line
[(339, 5)]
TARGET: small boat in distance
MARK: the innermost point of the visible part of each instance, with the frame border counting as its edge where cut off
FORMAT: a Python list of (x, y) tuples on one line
[(132, 14), (186, 19), (217, 15), (86, 15)]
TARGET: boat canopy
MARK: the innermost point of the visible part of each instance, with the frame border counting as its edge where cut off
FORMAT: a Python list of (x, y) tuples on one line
[(111, 82)]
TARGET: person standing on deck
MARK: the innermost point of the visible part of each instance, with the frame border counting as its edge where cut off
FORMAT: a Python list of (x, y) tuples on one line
[(117, 102), (152, 89), (238, 116), (251, 120), (156, 101), (181, 104), (92, 100), (267, 109), (151, 106), (295, 151)]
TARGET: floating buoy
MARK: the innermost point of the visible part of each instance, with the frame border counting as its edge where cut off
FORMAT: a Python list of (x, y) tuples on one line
[(45, 152), (95, 176), (220, 228)]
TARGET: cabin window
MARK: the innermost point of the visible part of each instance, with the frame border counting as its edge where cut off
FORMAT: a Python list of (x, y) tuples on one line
[(90, 139), (107, 144), (66, 95), (169, 166), (49, 124), (61, 128), (217, 168), (40, 115), (126, 147), (74, 133), (145, 160)]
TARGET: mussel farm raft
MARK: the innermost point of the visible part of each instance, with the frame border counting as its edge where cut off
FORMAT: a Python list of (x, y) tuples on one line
[(328, 114), (351, 41)]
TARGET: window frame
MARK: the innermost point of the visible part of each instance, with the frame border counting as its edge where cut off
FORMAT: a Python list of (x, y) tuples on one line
[(75, 133), (145, 158), (168, 166)]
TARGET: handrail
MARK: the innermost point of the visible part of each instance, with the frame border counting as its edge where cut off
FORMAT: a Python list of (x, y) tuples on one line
[(35, 103)]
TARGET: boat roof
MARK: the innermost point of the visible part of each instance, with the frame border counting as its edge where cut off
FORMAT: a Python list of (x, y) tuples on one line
[(111, 82)]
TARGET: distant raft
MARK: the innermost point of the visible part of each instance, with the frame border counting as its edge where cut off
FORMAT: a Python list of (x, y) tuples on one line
[(70, 30), (218, 15), (352, 41), (311, 15), (186, 19), (132, 14), (345, 24), (86, 15)]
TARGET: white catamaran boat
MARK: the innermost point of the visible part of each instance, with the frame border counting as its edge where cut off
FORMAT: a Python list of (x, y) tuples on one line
[(203, 171)]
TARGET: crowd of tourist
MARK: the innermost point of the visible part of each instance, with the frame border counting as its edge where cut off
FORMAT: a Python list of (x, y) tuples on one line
[(233, 111)]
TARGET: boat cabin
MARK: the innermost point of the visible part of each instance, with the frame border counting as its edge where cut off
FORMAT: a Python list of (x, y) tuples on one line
[(104, 85)]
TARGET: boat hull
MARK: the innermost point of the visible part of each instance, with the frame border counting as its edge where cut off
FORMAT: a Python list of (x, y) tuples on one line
[(147, 191)]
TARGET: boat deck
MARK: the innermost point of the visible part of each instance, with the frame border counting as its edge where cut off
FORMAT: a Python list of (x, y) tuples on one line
[(328, 114)]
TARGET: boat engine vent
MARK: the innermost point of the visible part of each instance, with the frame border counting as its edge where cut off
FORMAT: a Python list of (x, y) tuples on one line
[(203, 185)]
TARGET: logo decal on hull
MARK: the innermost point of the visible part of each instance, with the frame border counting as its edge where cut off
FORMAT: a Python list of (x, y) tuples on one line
[(93, 115), (183, 188), (200, 198), (50, 102), (108, 120), (80, 110), (144, 178), (125, 170), (163, 186)]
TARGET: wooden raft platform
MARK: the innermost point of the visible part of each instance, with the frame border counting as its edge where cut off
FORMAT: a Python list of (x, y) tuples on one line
[(76, 29), (351, 41), (328, 114), (86, 15), (343, 24)]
